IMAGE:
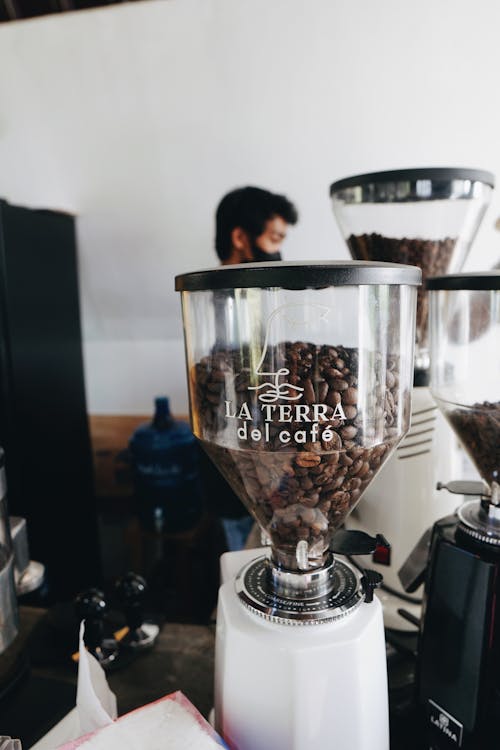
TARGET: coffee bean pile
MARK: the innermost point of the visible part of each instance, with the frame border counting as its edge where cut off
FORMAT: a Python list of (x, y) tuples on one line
[(301, 496), (298, 490), (432, 256), (478, 427)]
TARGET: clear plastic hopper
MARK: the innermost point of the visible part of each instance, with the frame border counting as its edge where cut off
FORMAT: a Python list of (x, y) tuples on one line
[(465, 366), (424, 217), (299, 382)]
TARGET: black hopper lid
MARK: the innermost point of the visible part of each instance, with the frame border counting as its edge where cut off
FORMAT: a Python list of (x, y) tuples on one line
[(297, 275)]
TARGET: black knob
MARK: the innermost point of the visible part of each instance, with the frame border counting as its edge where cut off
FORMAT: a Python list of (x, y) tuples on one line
[(91, 606), (131, 589), (370, 581)]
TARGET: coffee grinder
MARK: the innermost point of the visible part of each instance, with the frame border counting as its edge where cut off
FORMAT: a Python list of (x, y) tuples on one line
[(458, 676), (429, 218), (300, 384)]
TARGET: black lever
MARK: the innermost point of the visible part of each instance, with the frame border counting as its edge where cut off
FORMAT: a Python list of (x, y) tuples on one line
[(370, 581), (356, 543), (414, 569), (348, 543)]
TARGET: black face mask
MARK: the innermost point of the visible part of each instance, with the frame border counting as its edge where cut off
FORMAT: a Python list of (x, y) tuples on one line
[(259, 256)]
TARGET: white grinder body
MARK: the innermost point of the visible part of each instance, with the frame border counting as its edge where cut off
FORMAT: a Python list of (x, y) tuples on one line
[(291, 687)]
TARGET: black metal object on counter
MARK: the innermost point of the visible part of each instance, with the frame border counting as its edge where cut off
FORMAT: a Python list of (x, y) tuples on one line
[(91, 608)]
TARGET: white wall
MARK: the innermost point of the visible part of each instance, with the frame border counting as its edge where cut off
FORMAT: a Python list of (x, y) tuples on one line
[(139, 117)]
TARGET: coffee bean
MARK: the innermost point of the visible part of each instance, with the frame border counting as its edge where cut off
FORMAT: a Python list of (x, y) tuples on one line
[(350, 397), (353, 484), (356, 466), (350, 412), (357, 452), (339, 385), (333, 398), (331, 373), (310, 500), (315, 470), (363, 472), (355, 495), (324, 506), (338, 481), (345, 459), (349, 432), (307, 460), (322, 479)]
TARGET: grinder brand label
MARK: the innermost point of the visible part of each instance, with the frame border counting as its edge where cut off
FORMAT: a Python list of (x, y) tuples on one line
[(445, 724), (283, 413)]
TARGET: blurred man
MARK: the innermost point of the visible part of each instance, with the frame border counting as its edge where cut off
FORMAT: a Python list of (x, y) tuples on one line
[(251, 225)]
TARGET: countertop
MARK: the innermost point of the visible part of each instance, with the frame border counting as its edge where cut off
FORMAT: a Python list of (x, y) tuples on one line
[(182, 659)]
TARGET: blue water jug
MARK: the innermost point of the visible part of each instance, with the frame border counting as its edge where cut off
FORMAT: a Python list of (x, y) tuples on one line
[(165, 462)]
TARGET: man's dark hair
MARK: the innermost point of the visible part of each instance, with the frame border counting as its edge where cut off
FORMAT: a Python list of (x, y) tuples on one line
[(248, 208)]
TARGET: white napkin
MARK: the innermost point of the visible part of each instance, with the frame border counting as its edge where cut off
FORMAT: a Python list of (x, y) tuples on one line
[(7, 743), (95, 702)]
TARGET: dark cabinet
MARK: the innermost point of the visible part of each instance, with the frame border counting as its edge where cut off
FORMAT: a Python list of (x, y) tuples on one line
[(43, 416)]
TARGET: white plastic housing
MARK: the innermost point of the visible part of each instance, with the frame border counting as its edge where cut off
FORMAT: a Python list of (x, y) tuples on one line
[(282, 687)]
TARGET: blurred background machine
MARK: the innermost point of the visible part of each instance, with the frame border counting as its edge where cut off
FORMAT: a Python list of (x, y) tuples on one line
[(43, 417)]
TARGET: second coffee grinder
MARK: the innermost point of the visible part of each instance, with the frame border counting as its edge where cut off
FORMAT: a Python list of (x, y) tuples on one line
[(426, 217), (458, 675)]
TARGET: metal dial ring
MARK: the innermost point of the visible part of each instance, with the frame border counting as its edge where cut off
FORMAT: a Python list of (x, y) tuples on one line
[(254, 592), (476, 524)]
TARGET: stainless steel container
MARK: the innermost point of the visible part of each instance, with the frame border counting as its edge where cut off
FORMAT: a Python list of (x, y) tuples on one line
[(8, 600)]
